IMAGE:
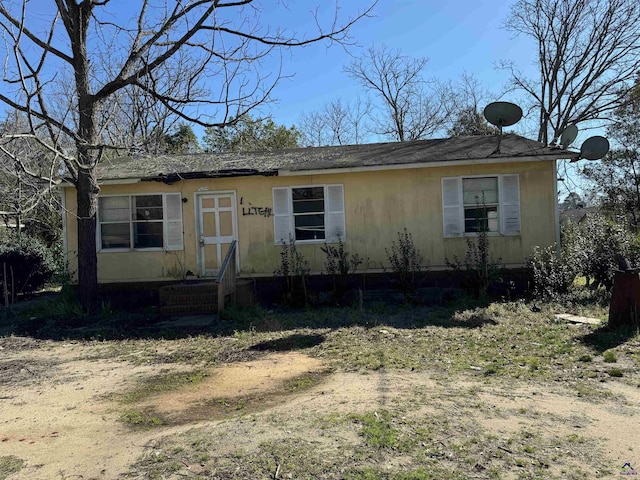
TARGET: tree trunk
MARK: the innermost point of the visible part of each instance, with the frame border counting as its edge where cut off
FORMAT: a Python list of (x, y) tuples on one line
[(87, 258), (624, 310), (87, 184)]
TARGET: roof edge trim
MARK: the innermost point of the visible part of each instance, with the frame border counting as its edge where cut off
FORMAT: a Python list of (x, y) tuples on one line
[(403, 166)]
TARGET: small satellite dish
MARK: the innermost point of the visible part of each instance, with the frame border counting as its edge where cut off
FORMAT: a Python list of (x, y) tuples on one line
[(569, 134), (502, 114), (594, 148)]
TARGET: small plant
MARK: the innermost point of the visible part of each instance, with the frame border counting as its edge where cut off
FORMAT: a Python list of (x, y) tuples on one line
[(139, 419), (479, 270), (585, 358), (615, 372), (610, 356), (406, 263), (303, 382), (340, 264), (294, 270), (178, 268)]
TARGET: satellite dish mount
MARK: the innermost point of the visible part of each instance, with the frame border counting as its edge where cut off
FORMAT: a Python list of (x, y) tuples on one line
[(502, 114)]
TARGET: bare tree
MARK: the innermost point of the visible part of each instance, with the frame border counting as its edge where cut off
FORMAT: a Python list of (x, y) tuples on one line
[(467, 119), (408, 106), (336, 123), (587, 50), (615, 181), (136, 122), (103, 53), (25, 199)]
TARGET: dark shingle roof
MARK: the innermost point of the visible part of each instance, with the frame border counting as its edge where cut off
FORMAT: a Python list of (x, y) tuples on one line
[(173, 167)]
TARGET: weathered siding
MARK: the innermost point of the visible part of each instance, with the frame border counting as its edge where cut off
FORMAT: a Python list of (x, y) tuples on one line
[(378, 204)]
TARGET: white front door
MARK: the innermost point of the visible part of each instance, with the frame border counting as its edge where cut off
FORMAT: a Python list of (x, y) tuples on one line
[(216, 230)]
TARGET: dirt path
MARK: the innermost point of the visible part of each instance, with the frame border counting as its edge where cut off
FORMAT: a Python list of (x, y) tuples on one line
[(60, 424), (55, 413)]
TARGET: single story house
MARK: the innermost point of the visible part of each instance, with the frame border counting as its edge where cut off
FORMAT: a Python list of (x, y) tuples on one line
[(160, 216)]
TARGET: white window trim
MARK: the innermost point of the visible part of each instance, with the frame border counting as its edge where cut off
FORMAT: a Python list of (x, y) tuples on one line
[(131, 223), (291, 215), (500, 204)]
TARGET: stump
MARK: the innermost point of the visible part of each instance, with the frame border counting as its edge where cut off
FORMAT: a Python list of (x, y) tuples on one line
[(625, 299)]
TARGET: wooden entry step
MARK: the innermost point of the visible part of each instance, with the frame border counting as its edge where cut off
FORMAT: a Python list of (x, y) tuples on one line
[(201, 297), (189, 298)]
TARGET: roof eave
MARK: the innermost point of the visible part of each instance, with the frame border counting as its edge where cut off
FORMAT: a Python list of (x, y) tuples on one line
[(403, 166)]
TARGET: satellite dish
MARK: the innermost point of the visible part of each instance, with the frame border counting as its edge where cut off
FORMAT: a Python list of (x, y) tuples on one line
[(594, 148), (502, 114), (569, 134)]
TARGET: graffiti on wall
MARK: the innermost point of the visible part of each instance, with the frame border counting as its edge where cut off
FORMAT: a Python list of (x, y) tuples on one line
[(249, 210)]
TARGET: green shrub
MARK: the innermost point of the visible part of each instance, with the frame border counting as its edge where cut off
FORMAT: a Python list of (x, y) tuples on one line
[(340, 264), (29, 264), (590, 249), (602, 241), (479, 270), (294, 270), (61, 274), (552, 274), (406, 263)]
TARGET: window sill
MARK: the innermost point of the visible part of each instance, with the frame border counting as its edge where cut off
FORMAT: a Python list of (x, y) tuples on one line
[(311, 242), (129, 250), (489, 234)]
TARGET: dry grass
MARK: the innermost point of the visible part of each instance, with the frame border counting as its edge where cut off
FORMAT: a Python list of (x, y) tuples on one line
[(465, 347)]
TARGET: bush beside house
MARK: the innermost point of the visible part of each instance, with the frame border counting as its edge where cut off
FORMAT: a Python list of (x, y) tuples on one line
[(26, 264)]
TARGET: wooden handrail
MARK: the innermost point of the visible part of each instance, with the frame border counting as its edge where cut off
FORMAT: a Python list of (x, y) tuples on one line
[(226, 279)]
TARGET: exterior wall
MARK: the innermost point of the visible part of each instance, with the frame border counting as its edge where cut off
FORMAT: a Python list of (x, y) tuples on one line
[(378, 204)]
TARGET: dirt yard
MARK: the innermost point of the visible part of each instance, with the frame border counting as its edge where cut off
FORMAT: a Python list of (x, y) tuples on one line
[(75, 410)]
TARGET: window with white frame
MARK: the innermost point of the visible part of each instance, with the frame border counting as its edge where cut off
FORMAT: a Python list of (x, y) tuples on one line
[(308, 213), (140, 222), (481, 203), (312, 213), (480, 200)]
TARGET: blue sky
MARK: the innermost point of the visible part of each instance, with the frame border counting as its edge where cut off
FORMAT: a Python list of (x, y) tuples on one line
[(456, 37)]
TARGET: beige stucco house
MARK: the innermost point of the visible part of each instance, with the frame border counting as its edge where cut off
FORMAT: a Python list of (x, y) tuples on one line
[(160, 216)]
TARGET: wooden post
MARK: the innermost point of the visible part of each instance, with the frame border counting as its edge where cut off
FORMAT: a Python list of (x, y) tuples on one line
[(625, 299), (220, 297)]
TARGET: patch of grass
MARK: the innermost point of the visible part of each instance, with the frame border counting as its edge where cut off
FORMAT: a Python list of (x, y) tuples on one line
[(396, 445), (591, 389), (610, 356), (418, 474), (162, 383), (9, 465), (377, 429), (231, 405), (140, 419), (500, 340), (303, 382), (615, 372), (64, 304)]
